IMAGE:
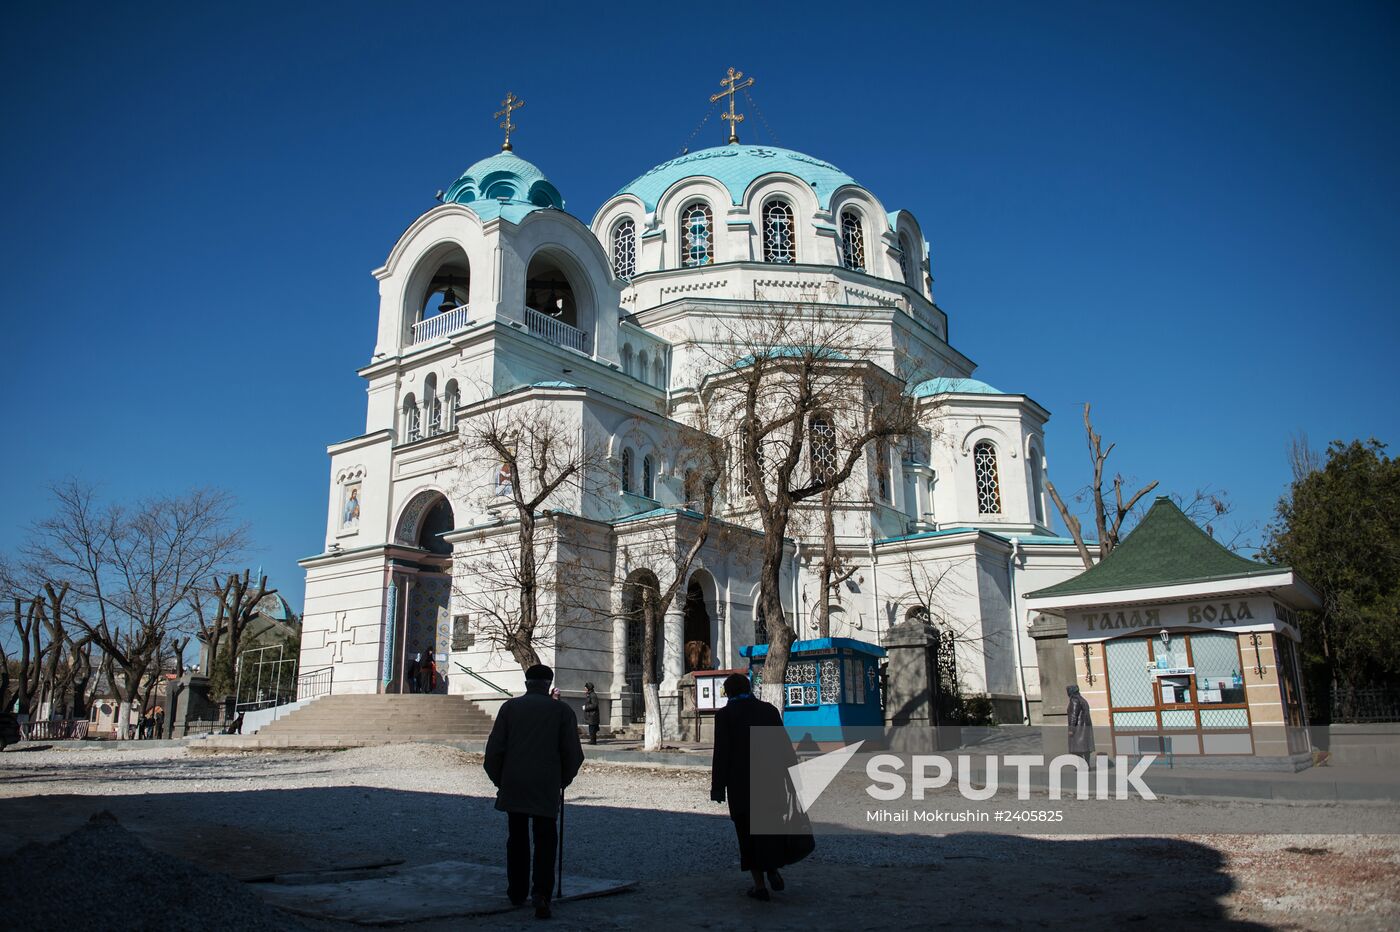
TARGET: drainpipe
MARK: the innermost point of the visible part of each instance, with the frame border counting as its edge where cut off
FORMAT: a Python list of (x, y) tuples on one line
[(1016, 629), (875, 585)]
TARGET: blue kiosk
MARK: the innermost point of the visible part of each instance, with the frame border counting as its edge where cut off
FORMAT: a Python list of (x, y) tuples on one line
[(831, 684)]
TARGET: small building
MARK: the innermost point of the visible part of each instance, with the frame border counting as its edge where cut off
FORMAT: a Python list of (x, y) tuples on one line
[(831, 684), (1181, 646)]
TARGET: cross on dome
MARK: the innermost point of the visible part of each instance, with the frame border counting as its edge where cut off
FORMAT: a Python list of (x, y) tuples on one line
[(510, 103), (730, 85)]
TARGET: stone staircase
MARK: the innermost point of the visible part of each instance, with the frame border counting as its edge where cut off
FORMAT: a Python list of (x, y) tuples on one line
[(357, 720)]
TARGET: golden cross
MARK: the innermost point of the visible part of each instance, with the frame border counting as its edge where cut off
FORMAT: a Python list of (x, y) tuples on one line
[(730, 85), (510, 103)]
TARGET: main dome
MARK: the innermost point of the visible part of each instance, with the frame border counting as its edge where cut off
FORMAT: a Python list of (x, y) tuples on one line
[(504, 184), (736, 167)]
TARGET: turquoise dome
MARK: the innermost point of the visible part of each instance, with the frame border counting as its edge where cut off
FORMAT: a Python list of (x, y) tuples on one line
[(504, 185), (930, 387), (736, 167)]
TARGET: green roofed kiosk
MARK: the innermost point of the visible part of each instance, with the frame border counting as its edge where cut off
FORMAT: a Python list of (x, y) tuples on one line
[(1183, 647)]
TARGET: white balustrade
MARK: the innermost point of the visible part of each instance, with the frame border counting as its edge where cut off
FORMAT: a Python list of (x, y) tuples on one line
[(554, 330), (441, 325)]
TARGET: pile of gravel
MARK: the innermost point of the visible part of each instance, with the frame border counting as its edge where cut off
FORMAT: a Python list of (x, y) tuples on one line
[(102, 878)]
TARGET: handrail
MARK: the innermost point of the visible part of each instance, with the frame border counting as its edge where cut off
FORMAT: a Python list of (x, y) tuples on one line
[(472, 673)]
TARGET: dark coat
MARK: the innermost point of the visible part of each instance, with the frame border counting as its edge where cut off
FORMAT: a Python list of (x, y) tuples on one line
[(590, 708), (772, 794), (1079, 723), (533, 753), (729, 772)]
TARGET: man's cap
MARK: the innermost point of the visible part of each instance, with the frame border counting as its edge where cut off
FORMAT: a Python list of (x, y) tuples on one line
[(736, 684), (540, 673)]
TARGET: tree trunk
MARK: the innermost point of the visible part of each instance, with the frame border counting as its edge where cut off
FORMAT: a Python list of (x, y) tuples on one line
[(651, 696)]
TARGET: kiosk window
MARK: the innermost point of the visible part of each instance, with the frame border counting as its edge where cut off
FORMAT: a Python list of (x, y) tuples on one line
[(1217, 661), (1128, 681)]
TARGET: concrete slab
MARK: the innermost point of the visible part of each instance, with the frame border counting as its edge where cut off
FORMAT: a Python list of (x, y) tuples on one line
[(396, 895)]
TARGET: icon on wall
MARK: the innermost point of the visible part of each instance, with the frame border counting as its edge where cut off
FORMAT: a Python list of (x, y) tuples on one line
[(350, 507)]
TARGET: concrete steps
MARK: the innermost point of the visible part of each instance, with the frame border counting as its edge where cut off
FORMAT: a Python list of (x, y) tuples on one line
[(381, 717)]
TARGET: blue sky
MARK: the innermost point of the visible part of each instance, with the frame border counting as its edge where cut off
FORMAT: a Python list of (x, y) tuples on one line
[(1186, 213)]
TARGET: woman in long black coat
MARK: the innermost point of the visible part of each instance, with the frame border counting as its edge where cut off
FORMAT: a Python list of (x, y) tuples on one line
[(730, 780)]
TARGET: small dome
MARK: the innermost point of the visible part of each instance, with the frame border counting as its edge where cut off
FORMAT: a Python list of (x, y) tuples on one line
[(736, 167), (930, 387), (275, 607), (504, 179)]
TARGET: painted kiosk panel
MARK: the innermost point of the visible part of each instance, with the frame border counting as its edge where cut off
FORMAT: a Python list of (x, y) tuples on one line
[(831, 684)]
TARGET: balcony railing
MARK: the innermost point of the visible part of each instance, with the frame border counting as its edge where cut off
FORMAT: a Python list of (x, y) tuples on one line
[(554, 330), (441, 325)]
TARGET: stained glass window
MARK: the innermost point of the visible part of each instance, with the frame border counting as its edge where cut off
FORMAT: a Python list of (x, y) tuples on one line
[(852, 241), (697, 236), (624, 249), (779, 242), (984, 461)]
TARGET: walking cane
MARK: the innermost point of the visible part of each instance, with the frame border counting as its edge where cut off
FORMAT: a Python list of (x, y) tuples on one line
[(559, 887)]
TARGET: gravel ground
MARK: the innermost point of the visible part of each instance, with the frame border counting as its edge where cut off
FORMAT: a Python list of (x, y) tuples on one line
[(255, 814)]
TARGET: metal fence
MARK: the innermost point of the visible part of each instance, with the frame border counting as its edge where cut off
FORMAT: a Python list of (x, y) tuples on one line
[(1366, 704), (313, 683), (265, 678), (54, 730)]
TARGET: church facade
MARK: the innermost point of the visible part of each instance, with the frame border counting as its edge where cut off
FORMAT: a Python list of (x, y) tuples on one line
[(498, 303)]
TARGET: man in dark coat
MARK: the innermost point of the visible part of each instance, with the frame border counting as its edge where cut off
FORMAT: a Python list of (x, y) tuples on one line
[(532, 754), (1080, 725), (731, 781), (591, 717)]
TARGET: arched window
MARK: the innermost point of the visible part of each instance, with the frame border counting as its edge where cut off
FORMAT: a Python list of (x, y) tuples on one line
[(852, 241), (627, 359), (432, 407), (697, 236), (823, 441), (760, 625), (690, 489), (984, 463), (624, 249), (1037, 485), (451, 397), (644, 367), (411, 427), (648, 478), (779, 240), (908, 263), (627, 470)]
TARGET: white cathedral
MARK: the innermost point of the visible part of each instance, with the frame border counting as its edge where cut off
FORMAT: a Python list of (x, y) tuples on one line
[(499, 300)]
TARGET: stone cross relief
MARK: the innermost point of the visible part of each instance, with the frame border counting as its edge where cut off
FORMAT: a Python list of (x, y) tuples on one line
[(343, 635)]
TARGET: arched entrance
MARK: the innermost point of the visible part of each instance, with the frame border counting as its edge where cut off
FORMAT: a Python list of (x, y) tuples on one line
[(698, 628), (423, 589), (632, 594)]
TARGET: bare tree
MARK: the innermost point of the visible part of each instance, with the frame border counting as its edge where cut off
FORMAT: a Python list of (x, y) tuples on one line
[(835, 570), (236, 600), (1110, 506), (133, 571), (540, 455), (1303, 458), (777, 382)]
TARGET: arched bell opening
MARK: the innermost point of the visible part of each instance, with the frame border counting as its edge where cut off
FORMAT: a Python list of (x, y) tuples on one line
[(549, 291), (437, 294)]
